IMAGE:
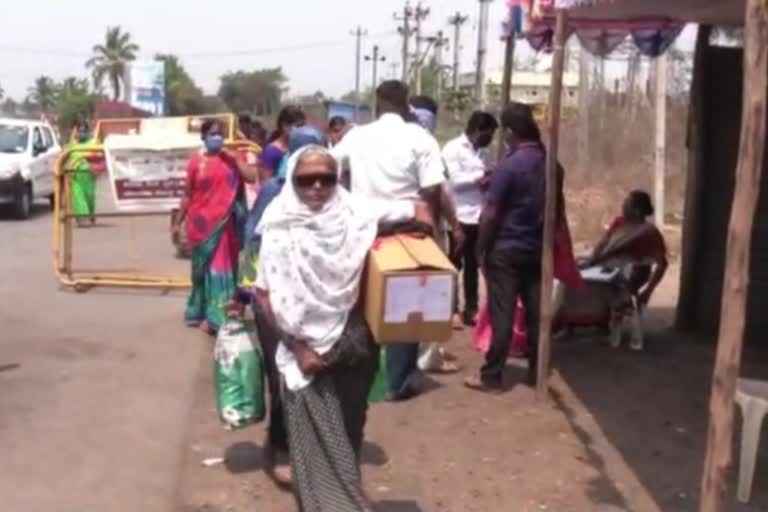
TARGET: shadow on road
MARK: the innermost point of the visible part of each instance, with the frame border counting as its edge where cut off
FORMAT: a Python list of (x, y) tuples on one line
[(652, 407), (244, 457), (38, 210), (398, 506), (9, 367), (373, 455)]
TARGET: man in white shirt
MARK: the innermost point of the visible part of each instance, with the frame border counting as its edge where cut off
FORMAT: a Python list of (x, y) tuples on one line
[(466, 159), (393, 159)]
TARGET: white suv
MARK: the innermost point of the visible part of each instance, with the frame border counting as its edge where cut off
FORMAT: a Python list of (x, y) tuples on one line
[(28, 152)]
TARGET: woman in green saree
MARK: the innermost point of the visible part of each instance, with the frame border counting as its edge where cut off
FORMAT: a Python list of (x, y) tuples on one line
[(83, 181)]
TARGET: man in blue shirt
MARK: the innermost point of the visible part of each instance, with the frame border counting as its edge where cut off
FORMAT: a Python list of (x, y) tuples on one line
[(509, 243)]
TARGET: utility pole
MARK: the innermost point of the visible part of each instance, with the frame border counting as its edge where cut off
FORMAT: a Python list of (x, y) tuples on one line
[(375, 59), (393, 70), (482, 50), (420, 15), (358, 33), (457, 20), (660, 159), (405, 31), (438, 41)]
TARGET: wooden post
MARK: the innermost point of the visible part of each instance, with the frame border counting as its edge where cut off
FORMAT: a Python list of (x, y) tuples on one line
[(547, 258), (506, 80), (584, 63), (660, 155), (736, 280), (693, 188)]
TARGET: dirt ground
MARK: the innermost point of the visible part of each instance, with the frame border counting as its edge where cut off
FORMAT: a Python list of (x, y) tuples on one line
[(621, 432), (106, 404)]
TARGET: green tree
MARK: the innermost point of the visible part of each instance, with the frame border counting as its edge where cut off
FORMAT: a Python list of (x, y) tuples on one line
[(259, 91), (430, 78), (74, 102), (111, 58), (366, 96), (182, 95), (43, 93), (10, 107)]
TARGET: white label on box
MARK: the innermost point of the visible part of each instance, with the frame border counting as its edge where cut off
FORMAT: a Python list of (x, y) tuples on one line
[(437, 298), (432, 296)]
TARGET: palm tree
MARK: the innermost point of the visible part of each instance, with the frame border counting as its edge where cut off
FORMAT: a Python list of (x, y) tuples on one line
[(73, 85), (109, 59), (43, 93)]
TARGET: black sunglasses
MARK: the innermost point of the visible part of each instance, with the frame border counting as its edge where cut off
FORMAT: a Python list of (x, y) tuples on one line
[(309, 180)]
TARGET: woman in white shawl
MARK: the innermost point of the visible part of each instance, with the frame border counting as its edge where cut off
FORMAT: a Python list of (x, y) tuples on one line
[(315, 238)]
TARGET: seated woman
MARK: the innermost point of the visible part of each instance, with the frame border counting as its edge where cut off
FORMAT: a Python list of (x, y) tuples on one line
[(315, 240), (634, 249), (632, 239)]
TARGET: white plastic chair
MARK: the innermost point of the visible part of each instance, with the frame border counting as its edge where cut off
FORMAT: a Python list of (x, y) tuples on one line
[(752, 397)]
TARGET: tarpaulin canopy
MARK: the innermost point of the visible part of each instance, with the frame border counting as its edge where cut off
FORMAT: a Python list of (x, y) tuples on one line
[(602, 25)]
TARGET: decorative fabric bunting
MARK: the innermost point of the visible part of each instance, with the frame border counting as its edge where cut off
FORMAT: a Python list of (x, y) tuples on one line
[(533, 19), (653, 43), (601, 42)]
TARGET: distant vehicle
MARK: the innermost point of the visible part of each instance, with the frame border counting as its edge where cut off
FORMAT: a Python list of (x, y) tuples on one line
[(28, 152)]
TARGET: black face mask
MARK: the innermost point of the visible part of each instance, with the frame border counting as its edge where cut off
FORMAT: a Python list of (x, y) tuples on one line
[(484, 140)]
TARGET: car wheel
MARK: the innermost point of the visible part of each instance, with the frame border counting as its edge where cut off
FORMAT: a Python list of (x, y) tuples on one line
[(52, 201), (22, 202)]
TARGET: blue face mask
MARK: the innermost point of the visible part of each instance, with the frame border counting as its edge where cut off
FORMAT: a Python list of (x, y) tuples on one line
[(214, 143), (83, 136)]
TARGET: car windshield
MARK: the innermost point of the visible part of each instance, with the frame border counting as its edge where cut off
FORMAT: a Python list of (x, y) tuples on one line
[(13, 139)]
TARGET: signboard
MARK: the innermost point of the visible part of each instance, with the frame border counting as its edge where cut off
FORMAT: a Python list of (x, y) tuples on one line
[(146, 86), (149, 174)]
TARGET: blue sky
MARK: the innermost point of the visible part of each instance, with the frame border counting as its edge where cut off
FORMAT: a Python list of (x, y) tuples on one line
[(311, 40)]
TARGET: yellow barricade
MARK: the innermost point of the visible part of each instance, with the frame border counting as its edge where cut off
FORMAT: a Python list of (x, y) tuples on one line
[(64, 239)]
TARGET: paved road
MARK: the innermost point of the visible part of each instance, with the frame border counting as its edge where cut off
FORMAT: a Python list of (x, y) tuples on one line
[(95, 389)]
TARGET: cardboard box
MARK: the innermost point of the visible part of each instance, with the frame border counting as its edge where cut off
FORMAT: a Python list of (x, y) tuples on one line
[(409, 290)]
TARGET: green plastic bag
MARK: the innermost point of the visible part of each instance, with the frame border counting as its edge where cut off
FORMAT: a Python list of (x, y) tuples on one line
[(380, 387), (238, 370)]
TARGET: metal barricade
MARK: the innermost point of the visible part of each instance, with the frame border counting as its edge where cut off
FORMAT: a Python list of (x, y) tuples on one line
[(64, 239)]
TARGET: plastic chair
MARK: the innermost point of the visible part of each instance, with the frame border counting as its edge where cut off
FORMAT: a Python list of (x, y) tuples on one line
[(752, 397)]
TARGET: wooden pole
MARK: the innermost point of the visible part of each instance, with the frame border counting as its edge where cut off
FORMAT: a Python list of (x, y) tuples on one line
[(506, 81), (736, 280), (547, 258), (693, 189), (584, 63), (660, 155)]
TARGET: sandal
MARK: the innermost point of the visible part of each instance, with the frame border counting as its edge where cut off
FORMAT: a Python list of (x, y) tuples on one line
[(207, 329), (447, 356), (476, 383), (446, 367)]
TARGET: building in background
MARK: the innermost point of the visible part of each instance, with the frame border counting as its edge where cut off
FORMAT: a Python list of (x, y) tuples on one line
[(531, 87)]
